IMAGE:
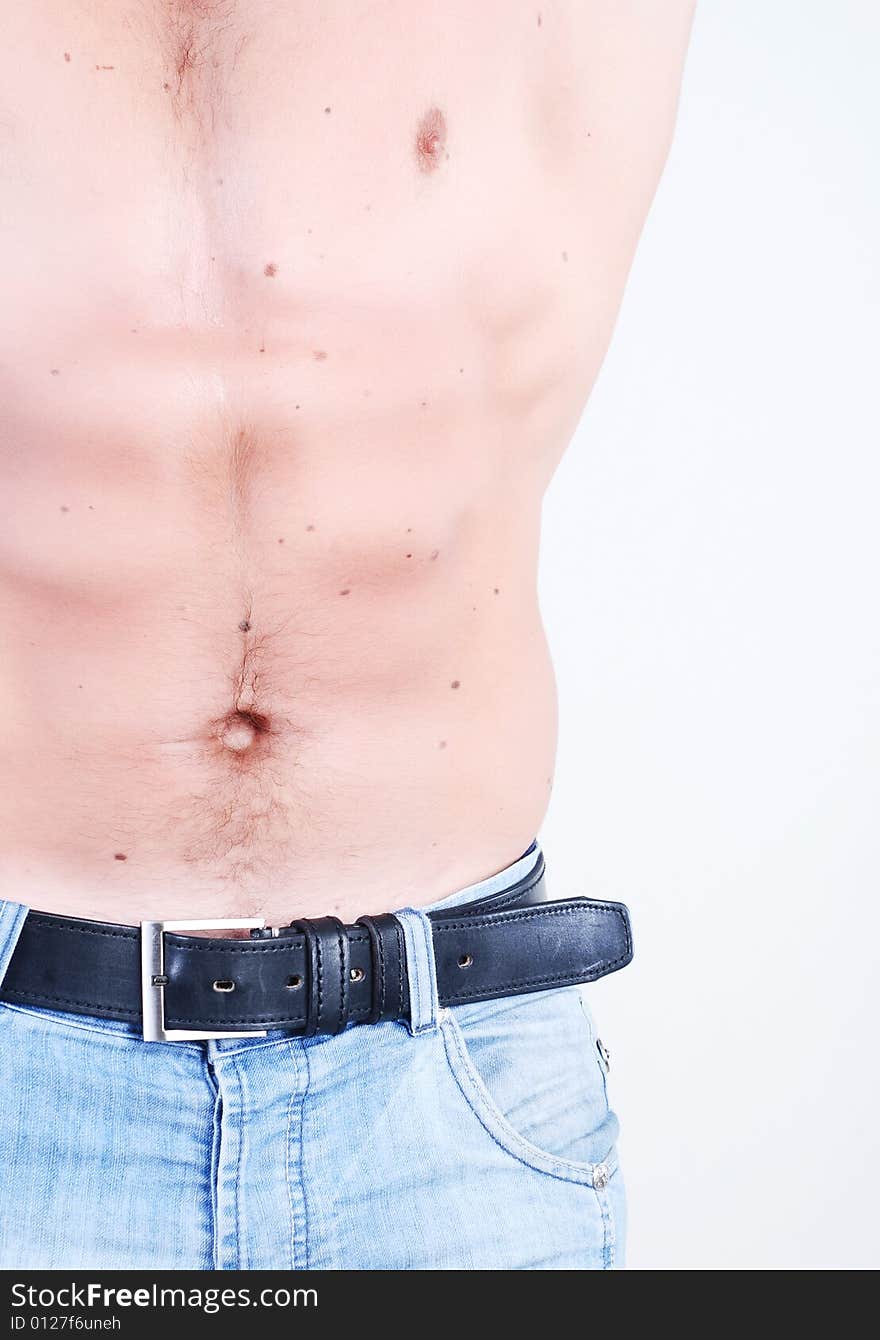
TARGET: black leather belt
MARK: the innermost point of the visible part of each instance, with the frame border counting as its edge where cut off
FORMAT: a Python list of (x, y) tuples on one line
[(313, 976)]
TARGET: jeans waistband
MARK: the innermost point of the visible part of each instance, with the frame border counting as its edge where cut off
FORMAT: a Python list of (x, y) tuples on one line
[(505, 879), (420, 966)]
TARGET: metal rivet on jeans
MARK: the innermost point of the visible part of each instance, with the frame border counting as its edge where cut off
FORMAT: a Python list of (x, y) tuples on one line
[(600, 1176)]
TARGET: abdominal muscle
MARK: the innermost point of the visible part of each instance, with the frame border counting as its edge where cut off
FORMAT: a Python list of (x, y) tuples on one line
[(264, 678)]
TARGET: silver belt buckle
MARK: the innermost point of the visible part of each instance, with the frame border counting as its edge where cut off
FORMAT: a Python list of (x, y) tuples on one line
[(154, 980)]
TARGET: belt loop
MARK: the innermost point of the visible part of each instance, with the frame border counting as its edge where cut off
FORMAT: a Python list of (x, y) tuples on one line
[(377, 970), (420, 970), (328, 960), (389, 998), (12, 919)]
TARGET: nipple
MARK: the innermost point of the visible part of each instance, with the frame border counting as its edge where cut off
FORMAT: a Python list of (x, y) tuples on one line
[(240, 730)]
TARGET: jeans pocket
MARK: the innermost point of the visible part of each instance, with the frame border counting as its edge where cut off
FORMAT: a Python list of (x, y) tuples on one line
[(528, 1070)]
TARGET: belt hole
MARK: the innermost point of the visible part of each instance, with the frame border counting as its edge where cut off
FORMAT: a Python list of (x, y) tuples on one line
[(465, 960), (293, 982), (223, 984), (356, 974)]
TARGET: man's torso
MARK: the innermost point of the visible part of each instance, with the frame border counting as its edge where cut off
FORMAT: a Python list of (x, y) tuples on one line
[(301, 306)]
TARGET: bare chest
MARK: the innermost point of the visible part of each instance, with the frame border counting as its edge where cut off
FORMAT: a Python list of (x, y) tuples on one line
[(219, 166)]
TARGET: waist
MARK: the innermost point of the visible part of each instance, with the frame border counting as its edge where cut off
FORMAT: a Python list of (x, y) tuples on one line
[(141, 788), (499, 937)]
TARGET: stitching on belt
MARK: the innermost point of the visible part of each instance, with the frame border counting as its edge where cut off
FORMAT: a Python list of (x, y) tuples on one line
[(124, 934), (343, 995), (246, 947), (528, 914), (397, 932)]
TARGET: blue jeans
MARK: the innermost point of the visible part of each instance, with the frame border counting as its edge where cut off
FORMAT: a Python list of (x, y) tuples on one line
[(473, 1137)]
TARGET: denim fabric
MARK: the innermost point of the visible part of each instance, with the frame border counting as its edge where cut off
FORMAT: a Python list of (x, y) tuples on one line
[(474, 1137)]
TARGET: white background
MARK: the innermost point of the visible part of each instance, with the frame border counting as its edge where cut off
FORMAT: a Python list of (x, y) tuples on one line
[(709, 585)]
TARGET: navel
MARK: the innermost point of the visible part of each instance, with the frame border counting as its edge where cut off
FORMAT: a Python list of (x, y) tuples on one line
[(241, 731)]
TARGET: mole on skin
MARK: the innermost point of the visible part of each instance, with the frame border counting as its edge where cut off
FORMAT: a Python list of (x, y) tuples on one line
[(431, 140)]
